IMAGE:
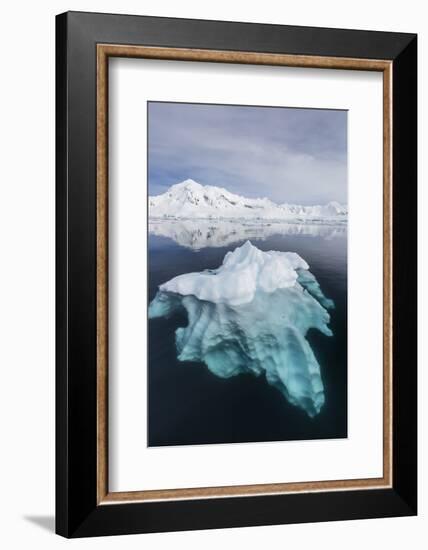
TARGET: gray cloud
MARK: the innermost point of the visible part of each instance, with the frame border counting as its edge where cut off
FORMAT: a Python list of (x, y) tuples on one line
[(288, 155)]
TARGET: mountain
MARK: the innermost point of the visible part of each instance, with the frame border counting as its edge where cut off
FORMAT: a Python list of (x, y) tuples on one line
[(190, 199)]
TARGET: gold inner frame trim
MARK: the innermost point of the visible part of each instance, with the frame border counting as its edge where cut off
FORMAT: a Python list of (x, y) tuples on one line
[(104, 51)]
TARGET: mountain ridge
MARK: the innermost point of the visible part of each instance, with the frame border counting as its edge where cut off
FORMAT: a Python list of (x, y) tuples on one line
[(189, 199)]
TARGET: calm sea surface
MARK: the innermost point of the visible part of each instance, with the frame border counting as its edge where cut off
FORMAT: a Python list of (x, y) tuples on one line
[(189, 405)]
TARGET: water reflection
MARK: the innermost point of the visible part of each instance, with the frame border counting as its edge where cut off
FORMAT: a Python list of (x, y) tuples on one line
[(199, 234)]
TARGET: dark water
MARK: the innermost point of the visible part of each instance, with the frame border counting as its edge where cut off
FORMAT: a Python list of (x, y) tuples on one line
[(189, 405)]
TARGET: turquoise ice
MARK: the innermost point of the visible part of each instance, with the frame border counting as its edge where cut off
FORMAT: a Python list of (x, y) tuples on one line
[(261, 329)]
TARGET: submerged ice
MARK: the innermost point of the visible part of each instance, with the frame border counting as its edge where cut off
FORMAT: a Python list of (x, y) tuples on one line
[(252, 315)]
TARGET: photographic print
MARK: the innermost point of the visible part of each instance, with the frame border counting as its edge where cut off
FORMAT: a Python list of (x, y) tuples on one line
[(236, 254), (247, 274)]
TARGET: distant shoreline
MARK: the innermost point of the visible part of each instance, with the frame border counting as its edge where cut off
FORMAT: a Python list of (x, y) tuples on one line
[(256, 221)]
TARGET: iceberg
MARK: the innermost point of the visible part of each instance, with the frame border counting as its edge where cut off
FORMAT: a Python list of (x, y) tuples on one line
[(252, 315), (243, 272)]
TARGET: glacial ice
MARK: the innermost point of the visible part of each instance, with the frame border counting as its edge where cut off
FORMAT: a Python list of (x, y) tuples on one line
[(243, 272), (252, 315)]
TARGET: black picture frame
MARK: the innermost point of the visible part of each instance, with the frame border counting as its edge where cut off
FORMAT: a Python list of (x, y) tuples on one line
[(78, 513)]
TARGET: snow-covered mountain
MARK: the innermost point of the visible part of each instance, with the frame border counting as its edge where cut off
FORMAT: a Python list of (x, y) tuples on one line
[(190, 199)]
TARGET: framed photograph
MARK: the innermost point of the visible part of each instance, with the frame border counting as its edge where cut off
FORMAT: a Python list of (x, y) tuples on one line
[(236, 274)]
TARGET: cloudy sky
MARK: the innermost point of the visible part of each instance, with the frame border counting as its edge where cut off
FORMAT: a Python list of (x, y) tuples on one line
[(288, 155)]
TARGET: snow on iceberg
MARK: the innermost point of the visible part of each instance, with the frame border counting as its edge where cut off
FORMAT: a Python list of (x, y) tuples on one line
[(252, 315), (243, 272)]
